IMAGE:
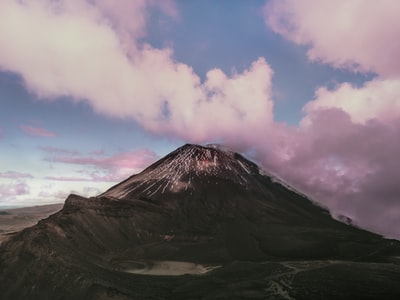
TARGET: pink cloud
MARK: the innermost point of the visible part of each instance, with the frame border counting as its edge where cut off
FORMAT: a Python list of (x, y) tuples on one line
[(130, 16), (350, 167), (345, 151), (106, 169), (98, 152), (132, 160), (12, 190), (14, 175), (66, 178), (100, 167), (168, 7), (351, 34), (37, 131), (376, 99)]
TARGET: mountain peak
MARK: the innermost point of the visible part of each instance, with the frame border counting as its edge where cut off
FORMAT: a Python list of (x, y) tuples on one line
[(207, 213), (206, 158), (179, 170)]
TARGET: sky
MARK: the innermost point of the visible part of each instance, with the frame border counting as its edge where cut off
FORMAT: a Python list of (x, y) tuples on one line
[(93, 91)]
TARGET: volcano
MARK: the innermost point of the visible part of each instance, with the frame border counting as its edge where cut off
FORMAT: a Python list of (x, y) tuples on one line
[(200, 223)]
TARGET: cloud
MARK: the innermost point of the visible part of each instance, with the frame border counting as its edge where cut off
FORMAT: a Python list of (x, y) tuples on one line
[(56, 150), (351, 167), (104, 168), (360, 35), (129, 17), (14, 175), (99, 167), (345, 151), (133, 159), (66, 178), (98, 152), (110, 175), (36, 131), (11, 190), (91, 51), (61, 195), (376, 99)]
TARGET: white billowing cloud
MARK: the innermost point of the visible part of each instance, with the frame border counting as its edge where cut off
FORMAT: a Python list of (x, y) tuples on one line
[(377, 99), (224, 105), (357, 34), (246, 96), (89, 50), (72, 52)]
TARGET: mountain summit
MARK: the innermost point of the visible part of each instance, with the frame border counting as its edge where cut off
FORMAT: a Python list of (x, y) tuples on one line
[(201, 223), (211, 180), (183, 169)]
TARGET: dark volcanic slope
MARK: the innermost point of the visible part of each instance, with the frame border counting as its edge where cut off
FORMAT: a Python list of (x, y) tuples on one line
[(196, 207)]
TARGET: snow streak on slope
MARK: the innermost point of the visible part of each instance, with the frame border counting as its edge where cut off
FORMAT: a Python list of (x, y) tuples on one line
[(176, 171)]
